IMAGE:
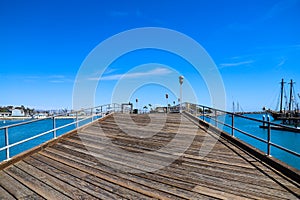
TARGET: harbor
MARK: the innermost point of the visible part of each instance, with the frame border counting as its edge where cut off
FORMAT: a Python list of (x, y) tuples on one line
[(65, 169), (140, 100)]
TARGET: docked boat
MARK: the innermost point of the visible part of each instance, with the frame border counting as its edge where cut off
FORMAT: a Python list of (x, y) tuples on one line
[(39, 116), (288, 112)]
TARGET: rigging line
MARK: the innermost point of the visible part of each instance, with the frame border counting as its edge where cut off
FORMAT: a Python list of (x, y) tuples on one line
[(295, 102), (286, 100), (294, 97), (277, 104), (273, 97), (242, 110), (278, 100), (273, 103)]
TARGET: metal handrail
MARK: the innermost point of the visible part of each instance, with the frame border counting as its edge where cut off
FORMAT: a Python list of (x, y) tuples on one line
[(77, 119), (60, 115), (44, 133), (213, 116), (241, 131)]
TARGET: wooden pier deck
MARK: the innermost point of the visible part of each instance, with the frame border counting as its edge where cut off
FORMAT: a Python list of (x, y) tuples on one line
[(67, 170)]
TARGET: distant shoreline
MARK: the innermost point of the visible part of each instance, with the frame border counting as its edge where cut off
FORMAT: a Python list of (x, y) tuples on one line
[(27, 118), (15, 118)]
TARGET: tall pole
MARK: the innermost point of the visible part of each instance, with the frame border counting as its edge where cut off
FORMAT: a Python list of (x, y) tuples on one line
[(167, 102), (180, 82), (136, 104), (281, 94), (291, 95)]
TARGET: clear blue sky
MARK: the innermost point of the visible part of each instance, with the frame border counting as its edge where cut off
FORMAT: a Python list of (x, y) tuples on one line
[(43, 43)]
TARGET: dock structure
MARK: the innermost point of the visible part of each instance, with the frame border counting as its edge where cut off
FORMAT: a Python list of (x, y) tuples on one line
[(81, 165)]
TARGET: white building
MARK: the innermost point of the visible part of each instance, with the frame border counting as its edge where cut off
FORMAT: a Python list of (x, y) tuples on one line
[(5, 114), (17, 113)]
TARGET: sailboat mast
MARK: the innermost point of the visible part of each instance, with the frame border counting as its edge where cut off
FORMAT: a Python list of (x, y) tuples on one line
[(281, 94), (291, 95)]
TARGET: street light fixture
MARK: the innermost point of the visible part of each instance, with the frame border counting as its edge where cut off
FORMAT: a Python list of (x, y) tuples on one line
[(167, 96), (180, 82)]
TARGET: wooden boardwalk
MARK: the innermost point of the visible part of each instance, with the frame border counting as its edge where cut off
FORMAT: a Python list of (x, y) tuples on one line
[(67, 170)]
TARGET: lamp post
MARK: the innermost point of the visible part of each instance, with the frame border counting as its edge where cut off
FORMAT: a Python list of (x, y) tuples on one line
[(167, 96), (180, 82)]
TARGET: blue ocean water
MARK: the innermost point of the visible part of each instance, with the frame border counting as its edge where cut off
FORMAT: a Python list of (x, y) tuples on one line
[(289, 140), (10, 122), (25, 131)]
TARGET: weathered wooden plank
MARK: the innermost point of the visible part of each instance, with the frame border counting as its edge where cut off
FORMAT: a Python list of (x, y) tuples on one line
[(53, 181), (246, 189), (240, 166), (228, 164), (240, 189), (5, 195), (212, 168), (100, 183), (15, 188), (74, 178), (258, 174), (174, 181), (34, 184), (109, 154), (110, 175), (216, 193), (246, 183), (170, 182)]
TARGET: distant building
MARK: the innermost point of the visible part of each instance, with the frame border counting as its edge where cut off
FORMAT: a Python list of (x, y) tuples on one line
[(5, 114), (17, 113)]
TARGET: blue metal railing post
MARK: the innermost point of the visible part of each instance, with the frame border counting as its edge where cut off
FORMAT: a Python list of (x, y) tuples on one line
[(92, 114), (216, 123), (232, 125), (77, 119), (7, 143), (269, 136), (54, 127)]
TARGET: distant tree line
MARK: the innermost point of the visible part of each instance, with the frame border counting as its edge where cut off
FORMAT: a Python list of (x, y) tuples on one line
[(27, 111)]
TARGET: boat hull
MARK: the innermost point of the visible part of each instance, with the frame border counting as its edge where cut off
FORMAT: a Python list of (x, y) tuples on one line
[(283, 115)]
